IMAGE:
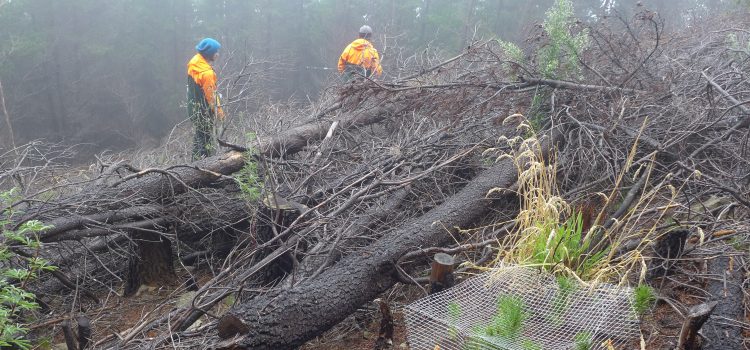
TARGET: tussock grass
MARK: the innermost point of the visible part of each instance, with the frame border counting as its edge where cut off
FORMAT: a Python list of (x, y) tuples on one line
[(548, 231)]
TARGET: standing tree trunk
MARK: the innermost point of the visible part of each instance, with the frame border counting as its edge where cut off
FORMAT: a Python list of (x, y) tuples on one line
[(468, 25), (424, 15), (7, 116)]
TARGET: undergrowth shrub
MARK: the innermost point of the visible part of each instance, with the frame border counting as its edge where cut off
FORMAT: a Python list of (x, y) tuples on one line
[(559, 58), (16, 271), (248, 178)]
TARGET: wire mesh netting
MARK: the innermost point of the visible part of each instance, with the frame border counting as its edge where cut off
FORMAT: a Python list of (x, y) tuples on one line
[(522, 308)]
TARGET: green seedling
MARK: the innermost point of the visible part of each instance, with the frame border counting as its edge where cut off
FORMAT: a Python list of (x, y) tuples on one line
[(644, 298)]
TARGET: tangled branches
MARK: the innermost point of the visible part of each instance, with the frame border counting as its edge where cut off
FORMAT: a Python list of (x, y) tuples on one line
[(650, 120)]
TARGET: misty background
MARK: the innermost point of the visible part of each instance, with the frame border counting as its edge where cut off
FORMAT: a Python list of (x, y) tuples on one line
[(111, 74)]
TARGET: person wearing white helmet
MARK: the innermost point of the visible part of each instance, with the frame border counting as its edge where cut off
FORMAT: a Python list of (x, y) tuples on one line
[(360, 57)]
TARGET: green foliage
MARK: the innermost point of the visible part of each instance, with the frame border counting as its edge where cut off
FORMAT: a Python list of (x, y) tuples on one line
[(508, 321), (565, 245), (15, 272), (248, 178), (537, 115), (528, 344), (583, 341), (644, 297), (566, 286), (513, 53), (454, 313), (559, 59), (506, 326)]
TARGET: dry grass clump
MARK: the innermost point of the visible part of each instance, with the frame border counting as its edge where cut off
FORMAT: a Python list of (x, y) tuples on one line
[(549, 232)]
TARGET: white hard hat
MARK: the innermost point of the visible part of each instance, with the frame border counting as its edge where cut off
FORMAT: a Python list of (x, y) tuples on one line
[(365, 29)]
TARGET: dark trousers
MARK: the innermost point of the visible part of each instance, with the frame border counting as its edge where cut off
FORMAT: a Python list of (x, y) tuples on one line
[(203, 140), (352, 71)]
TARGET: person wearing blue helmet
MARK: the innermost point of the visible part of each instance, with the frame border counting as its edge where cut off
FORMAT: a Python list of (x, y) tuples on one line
[(203, 101)]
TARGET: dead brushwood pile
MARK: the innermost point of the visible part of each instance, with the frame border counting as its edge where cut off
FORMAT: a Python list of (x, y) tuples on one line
[(309, 214)]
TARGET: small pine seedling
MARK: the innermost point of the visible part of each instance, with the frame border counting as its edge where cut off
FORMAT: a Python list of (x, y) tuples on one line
[(644, 298), (583, 341), (508, 321)]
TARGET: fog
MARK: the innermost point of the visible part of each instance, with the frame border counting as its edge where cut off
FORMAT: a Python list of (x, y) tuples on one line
[(111, 74)]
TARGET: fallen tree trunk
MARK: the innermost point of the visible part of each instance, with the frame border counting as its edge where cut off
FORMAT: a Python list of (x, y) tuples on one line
[(148, 201), (724, 329), (154, 185), (295, 139), (287, 319)]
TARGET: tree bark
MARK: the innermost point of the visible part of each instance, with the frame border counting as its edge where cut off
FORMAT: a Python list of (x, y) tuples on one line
[(725, 331), (288, 318), (696, 317), (155, 186)]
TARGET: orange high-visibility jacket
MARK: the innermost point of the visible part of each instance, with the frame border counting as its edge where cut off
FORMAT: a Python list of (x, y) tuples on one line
[(361, 53), (204, 76)]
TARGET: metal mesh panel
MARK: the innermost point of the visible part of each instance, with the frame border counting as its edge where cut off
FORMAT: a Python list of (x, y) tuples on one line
[(554, 316)]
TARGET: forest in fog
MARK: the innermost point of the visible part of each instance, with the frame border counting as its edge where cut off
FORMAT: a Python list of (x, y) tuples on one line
[(111, 74), (523, 175)]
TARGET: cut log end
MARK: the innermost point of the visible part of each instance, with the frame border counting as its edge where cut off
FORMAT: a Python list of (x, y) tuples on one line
[(441, 276), (230, 326), (151, 264)]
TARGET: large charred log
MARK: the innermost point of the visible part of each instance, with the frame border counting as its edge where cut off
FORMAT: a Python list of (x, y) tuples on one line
[(133, 196), (289, 318), (724, 283), (147, 201), (638, 117)]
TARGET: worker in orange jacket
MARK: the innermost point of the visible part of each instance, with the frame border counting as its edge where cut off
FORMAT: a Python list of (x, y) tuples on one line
[(360, 57), (203, 101)]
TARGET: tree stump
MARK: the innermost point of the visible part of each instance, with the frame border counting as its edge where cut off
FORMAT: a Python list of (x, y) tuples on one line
[(84, 331), (441, 275), (70, 340), (667, 250), (696, 317)]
